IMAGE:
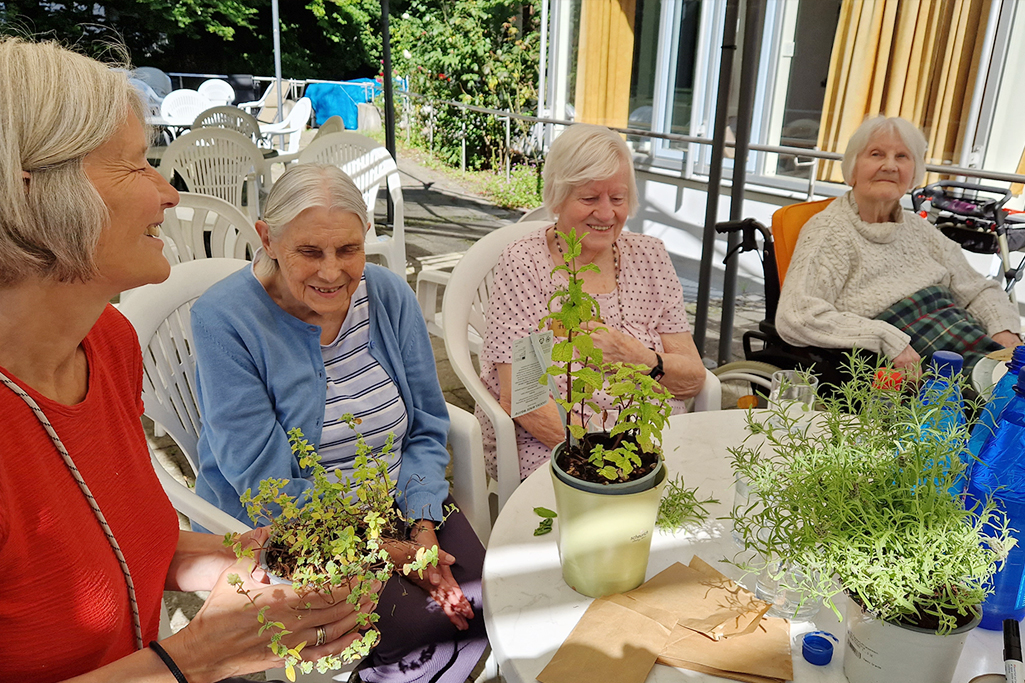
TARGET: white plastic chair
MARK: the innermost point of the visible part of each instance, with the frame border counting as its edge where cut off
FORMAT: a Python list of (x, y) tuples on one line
[(334, 124), (218, 162), (430, 281), (265, 109), (202, 226), (289, 132), (231, 118), (160, 315), (463, 314), (369, 165), (181, 107), (217, 91)]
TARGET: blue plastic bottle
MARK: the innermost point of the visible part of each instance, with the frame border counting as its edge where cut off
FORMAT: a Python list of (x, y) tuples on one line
[(1002, 393), (1000, 473), (940, 387)]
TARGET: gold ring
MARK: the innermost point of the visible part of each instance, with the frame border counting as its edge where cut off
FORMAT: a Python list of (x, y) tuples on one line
[(321, 636)]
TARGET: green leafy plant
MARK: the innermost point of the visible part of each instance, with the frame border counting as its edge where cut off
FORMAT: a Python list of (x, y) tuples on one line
[(866, 492), (334, 535), (680, 506), (547, 519), (641, 402)]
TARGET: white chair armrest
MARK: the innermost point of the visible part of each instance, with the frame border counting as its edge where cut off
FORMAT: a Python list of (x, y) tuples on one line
[(469, 483), (187, 502), (710, 396), (427, 282)]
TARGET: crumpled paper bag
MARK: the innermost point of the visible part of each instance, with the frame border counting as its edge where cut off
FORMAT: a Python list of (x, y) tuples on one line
[(689, 617)]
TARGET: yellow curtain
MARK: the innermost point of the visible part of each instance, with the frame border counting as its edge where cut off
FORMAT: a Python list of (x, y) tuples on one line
[(605, 61), (916, 59)]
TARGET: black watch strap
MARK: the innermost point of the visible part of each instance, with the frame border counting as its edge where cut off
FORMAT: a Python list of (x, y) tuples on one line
[(657, 372)]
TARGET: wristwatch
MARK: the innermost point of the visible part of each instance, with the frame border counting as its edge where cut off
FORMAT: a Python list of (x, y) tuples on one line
[(657, 372)]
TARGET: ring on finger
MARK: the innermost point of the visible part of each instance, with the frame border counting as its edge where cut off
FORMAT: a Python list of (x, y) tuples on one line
[(321, 636)]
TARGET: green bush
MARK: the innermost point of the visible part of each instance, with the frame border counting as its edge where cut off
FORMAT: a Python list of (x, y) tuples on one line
[(521, 191)]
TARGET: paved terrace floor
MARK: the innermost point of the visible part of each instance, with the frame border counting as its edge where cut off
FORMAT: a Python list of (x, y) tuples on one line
[(443, 218)]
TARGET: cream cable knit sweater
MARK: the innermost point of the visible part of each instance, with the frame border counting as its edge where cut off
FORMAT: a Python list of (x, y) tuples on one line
[(845, 271)]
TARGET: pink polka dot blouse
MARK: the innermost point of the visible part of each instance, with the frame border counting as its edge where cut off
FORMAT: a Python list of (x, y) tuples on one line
[(647, 303)]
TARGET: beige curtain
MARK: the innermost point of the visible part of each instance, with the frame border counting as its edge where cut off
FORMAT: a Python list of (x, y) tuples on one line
[(916, 59), (605, 61)]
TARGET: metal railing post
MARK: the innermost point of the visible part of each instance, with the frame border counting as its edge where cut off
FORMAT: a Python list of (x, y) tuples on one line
[(508, 151), (462, 149)]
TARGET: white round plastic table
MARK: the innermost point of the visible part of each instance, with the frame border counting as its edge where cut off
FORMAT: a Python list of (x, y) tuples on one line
[(529, 610)]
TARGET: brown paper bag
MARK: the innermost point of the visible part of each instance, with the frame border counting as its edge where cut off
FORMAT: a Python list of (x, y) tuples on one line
[(617, 639), (765, 652)]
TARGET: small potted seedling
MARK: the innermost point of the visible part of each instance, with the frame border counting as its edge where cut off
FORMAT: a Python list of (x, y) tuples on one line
[(336, 534), (863, 498), (607, 483)]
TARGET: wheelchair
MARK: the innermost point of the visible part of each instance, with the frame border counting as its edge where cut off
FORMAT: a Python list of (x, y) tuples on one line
[(966, 213)]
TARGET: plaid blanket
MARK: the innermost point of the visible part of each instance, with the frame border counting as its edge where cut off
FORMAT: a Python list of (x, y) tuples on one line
[(936, 323)]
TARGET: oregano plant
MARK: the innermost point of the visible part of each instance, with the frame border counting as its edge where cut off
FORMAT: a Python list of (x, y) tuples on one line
[(335, 534)]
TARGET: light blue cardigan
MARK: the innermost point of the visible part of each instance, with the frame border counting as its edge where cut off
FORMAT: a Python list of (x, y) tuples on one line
[(260, 372)]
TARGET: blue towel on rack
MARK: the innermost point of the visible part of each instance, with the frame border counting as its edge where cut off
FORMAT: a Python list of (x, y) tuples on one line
[(340, 99)]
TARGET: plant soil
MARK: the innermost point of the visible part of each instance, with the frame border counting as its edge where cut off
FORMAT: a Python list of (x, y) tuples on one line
[(574, 459), (278, 560), (928, 622)]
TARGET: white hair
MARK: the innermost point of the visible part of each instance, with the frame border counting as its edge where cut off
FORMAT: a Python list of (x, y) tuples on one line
[(57, 107), (870, 128), (582, 154), (303, 187)]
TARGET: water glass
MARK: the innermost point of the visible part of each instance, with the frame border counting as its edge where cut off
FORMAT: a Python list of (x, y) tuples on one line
[(793, 387), (787, 603)]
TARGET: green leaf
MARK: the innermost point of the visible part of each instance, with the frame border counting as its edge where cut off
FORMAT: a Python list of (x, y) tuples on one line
[(545, 512)]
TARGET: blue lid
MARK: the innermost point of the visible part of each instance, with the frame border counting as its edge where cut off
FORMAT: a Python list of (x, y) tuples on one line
[(1017, 359), (947, 363), (817, 649)]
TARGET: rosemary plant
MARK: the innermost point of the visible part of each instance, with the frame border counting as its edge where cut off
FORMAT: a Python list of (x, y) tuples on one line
[(866, 493)]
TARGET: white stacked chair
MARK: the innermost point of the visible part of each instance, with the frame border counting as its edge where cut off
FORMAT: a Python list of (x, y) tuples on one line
[(231, 118), (181, 107), (369, 165), (289, 132), (217, 91), (218, 162), (202, 226)]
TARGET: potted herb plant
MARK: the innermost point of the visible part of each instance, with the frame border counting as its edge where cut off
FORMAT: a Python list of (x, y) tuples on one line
[(335, 535), (607, 483), (862, 499)]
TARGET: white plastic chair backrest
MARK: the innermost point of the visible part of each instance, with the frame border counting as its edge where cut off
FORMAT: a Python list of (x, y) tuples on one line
[(364, 160), (538, 214), (217, 91), (202, 226), (334, 124), (464, 306), (218, 162), (155, 78), (295, 123), (231, 118), (181, 107), (160, 314)]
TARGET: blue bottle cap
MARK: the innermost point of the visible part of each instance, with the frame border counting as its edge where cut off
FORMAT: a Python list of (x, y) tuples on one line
[(1017, 359), (817, 649), (947, 363)]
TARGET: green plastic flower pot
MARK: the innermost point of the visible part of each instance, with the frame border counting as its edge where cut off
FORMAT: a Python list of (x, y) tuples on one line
[(605, 536)]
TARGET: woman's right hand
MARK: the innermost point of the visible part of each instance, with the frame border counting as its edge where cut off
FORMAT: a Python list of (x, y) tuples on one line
[(907, 359), (224, 638)]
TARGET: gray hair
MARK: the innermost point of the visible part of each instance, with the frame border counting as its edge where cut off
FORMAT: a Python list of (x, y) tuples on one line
[(302, 187), (57, 107), (871, 127), (585, 153)]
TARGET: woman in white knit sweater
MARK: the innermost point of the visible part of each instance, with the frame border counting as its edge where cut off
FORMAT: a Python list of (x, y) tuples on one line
[(863, 254)]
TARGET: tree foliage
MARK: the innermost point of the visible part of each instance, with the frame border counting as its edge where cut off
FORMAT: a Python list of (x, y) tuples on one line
[(479, 52)]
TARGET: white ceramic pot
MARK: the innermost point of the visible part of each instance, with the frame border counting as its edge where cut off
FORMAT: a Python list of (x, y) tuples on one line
[(881, 652), (604, 540)]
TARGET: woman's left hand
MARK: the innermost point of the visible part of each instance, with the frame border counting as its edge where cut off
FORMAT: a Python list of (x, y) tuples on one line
[(438, 581), (616, 346), (1007, 339)]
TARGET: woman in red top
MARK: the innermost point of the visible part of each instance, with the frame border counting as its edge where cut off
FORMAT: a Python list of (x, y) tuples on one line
[(80, 210)]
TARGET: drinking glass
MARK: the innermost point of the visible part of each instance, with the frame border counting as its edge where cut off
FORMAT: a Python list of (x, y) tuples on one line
[(793, 387), (787, 603)]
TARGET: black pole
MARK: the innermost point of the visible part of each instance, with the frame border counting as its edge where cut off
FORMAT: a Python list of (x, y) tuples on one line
[(729, 47), (389, 103), (754, 17)]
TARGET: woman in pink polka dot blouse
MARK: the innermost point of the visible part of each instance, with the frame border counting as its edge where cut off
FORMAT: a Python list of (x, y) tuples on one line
[(590, 186)]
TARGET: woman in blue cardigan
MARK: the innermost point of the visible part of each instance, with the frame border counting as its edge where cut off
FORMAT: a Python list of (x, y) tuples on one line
[(312, 332)]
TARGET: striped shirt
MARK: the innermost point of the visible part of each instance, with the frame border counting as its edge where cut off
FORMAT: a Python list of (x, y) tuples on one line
[(357, 384)]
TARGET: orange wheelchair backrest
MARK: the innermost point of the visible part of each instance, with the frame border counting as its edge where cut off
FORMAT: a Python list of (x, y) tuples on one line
[(786, 226)]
